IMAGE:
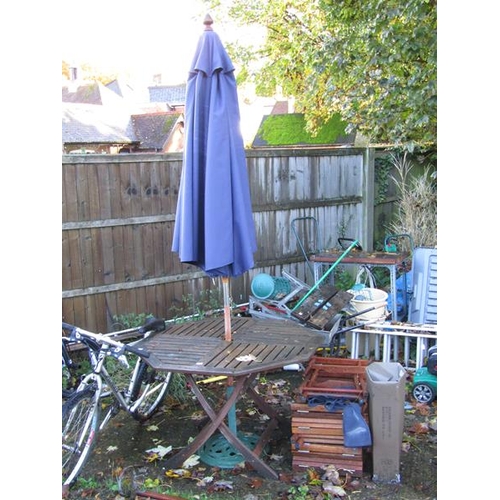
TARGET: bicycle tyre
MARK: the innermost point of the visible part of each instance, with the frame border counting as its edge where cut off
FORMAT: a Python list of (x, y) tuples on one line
[(80, 422), (148, 392)]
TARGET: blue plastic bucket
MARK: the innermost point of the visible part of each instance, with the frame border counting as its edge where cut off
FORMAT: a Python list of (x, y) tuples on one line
[(265, 286)]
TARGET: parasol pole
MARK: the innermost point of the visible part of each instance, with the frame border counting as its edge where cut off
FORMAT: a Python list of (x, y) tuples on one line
[(227, 309), (227, 330)]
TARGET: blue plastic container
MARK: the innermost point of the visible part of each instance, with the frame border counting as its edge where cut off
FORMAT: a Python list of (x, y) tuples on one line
[(265, 286)]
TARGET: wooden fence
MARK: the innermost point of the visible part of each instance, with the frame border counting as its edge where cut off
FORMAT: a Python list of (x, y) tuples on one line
[(118, 215)]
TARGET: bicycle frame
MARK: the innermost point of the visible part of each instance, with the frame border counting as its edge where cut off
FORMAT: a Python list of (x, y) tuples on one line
[(100, 347), (101, 376), (140, 398)]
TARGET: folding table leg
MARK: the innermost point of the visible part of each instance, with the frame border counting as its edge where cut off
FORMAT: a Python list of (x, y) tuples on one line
[(240, 386)]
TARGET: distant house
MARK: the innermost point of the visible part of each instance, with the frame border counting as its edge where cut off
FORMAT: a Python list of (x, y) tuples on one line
[(96, 128), (173, 95), (158, 132), (79, 92), (110, 119)]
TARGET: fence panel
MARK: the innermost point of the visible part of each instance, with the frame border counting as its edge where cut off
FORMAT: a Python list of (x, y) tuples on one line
[(118, 215)]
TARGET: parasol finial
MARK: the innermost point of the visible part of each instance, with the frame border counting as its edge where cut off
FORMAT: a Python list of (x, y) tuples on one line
[(208, 21)]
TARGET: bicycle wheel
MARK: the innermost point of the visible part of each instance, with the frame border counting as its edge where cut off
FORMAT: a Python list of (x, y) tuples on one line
[(80, 420), (148, 391)]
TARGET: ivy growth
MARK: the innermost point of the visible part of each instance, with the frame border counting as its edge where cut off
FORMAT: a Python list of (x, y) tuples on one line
[(383, 167)]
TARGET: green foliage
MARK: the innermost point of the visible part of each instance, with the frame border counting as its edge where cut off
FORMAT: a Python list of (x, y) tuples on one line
[(343, 279), (300, 492), (382, 278), (282, 130), (130, 320), (84, 483), (178, 389), (383, 166), (192, 308), (373, 62), (69, 380)]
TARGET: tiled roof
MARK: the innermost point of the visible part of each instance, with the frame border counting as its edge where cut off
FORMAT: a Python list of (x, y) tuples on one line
[(89, 93), (127, 91), (90, 123), (120, 88), (172, 94), (154, 129)]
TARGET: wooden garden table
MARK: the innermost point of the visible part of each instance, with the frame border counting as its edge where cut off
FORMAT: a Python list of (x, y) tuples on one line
[(257, 345)]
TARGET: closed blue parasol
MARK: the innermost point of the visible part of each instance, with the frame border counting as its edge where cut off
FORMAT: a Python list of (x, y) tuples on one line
[(214, 227)]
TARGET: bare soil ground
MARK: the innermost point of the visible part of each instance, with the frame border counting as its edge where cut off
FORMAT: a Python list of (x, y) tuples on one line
[(121, 464)]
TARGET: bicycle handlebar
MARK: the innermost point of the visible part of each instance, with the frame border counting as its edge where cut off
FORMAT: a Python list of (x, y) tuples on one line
[(152, 325)]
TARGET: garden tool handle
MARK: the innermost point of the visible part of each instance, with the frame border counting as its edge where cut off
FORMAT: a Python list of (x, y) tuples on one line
[(332, 267), (341, 240)]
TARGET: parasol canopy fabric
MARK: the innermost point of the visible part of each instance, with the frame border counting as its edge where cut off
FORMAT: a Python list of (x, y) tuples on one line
[(214, 227)]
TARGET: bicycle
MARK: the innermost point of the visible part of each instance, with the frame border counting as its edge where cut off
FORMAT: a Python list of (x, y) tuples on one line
[(141, 398)]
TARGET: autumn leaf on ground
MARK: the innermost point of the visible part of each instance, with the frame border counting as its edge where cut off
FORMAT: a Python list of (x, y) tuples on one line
[(286, 477), (419, 428), (256, 482), (312, 474), (152, 457), (161, 451), (111, 448), (433, 424), (152, 428), (275, 457), (203, 482), (191, 461), (406, 446), (246, 357), (223, 485), (331, 474), (178, 473), (423, 409), (334, 490), (279, 382)]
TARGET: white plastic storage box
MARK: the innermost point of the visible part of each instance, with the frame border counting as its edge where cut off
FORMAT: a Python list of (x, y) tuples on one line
[(423, 305)]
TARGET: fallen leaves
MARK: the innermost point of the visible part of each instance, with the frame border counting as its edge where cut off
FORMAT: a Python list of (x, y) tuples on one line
[(333, 489), (158, 452), (419, 428), (191, 461), (222, 486), (423, 408), (177, 473), (247, 357)]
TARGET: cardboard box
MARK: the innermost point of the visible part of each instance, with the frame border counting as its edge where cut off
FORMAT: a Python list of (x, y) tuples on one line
[(386, 397)]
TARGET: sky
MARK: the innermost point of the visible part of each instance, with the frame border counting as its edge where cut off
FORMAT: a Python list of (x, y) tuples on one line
[(138, 38)]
